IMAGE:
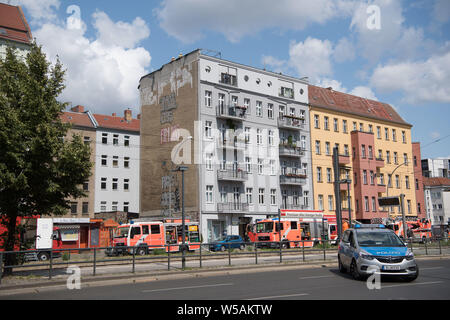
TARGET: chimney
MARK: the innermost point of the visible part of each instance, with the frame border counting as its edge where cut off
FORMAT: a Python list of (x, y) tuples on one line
[(139, 116), (114, 114), (77, 108), (128, 115)]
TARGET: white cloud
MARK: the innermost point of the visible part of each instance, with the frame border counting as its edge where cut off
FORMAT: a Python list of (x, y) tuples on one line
[(39, 11), (441, 10), (419, 81), (344, 51), (102, 73), (311, 58), (334, 84), (364, 92), (187, 20)]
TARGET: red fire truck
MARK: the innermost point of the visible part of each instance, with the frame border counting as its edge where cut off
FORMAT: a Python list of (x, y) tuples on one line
[(149, 235), (417, 230), (297, 228)]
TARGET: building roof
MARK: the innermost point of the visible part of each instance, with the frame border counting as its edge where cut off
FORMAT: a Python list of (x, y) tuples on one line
[(13, 24), (436, 182), (77, 119), (343, 102), (119, 123)]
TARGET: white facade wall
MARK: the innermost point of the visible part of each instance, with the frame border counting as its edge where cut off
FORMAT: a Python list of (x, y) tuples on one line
[(21, 49), (438, 204), (106, 198), (254, 85)]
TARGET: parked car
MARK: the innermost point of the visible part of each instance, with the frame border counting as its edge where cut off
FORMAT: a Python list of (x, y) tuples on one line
[(232, 242), (366, 249)]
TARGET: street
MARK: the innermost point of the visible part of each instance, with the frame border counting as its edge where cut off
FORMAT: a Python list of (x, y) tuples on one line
[(294, 284)]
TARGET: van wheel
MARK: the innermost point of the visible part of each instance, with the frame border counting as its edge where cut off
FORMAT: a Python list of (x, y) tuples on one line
[(43, 256), (354, 271), (342, 269)]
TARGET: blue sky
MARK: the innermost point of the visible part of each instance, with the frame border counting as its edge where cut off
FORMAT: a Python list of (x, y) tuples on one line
[(396, 52)]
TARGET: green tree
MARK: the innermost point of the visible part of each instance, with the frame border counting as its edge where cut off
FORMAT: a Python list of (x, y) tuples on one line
[(39, 168)]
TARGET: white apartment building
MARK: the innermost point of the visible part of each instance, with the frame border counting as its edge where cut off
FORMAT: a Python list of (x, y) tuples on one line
[(117, 163), (251, 142), (14, 31), (437, 200), (434, 168)]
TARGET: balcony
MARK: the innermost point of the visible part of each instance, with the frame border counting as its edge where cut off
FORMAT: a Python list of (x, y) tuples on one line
[(381, 188), (290, 122), (344, 159), (295, 179), (228, 79), (293, 206), (232, 207), (379, 162), (291, 151), (224, 143), (232, 174), (231, 112)]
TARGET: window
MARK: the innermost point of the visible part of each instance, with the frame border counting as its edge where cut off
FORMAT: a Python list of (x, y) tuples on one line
[(330, 203), (329, 175), (355, 126), (379, 132), (73, 207), (389, 180), (271, 139), (86, 186), (370, 128), (394, 135), (104, 138), (317, 147), (126, 141), (380, 154), (303, 142), (104, 160), (286, 92), (361, 127), (248, 164), (273, 197), (415, 161), (209, 161), (325, 123), (115, 161), (346, 152), (126, 184), (208, 95), (260, 166), (397, 181), (281, 111), (145, 229), (365, 176), (381, 179), (327, 148), (258, 108), (247, 135), (261, 196), (209, 194), (221, 101), (363, 151), (370, 152), (319, 174), (126, 206), (103, 206), (386, 133), (306, 198), (388, 157), (154, 229), (103, 183), (234, 101), (366, 204), (320, 201), (248, 194), (115, 183), (407, 182), (126, 162), (270, 111), (395, 158), (116, 140), (227, 78), (208, 129), (247, 105), (87, 140), (114, 206), (409, 205), (344, 126), (372, 178), (259, 138), (335, 125), (272, 167), (316, 121), (417, 184), (404, 136), (374, 204), (405, 158)]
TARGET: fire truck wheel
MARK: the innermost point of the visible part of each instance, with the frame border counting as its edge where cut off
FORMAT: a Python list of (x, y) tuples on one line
[(424, 239), (43, 256), (141, 251)]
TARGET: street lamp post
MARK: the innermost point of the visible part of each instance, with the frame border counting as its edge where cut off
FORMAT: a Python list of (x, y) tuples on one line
[(348, 182), (402, 198), (183, 220)]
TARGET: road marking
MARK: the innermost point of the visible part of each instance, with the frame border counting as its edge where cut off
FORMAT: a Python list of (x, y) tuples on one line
[(193, 287), (284, 296), (316, 277), (411, 284), (431, 268)]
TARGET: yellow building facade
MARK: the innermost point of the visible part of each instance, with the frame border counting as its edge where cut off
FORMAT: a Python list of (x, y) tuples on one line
[(375, 153)]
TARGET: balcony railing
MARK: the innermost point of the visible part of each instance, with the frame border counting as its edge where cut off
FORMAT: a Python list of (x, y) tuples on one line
[(290, 122), (232, 207), (293, 206), (231, 112), (297, 179), (232, 174), (291, 151)]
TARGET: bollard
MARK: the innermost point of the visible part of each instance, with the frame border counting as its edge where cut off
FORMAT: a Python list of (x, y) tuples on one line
[(303, 249), (134, 259), (440, 249), (426, 249), (256, 254), (168, 258), (324, 250), (229, 254), (95, 261), (200, 255), (51, 265)]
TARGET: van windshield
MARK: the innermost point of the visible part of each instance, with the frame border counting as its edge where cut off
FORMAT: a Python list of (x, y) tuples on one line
[(122, 232), (379, 239)]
